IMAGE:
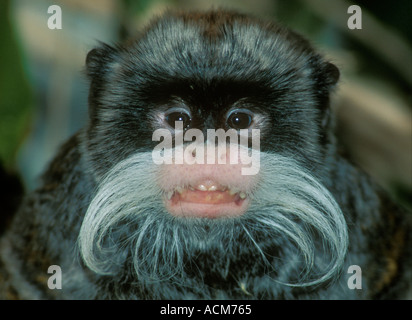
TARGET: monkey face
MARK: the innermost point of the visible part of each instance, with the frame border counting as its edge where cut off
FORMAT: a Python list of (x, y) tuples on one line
[(212, 71), (205, 71)]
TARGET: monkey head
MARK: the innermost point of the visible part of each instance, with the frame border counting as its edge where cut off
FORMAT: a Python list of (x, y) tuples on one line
[(186, 221)]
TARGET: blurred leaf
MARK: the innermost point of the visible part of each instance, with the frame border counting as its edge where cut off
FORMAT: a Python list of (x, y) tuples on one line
[(15, 94)]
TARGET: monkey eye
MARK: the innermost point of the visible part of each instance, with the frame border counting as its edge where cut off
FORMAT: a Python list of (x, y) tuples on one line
[(239, 120), (178, 116)]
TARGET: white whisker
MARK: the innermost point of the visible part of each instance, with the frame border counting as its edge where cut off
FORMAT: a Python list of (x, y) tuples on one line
[(127, 222)]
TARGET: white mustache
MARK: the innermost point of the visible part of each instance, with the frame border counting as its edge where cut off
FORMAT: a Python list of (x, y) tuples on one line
[(127, 220)]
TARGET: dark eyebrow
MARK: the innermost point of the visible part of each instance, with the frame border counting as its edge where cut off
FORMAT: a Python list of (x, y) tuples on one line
[(205, 90)]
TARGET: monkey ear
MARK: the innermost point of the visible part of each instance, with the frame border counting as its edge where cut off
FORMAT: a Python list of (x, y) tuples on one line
[(98, 60), (332, 74)]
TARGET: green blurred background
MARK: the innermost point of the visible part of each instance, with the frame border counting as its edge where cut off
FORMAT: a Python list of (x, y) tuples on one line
[(43, 91)]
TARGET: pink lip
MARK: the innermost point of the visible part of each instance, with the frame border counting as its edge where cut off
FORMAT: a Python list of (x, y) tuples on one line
[(206, 204)]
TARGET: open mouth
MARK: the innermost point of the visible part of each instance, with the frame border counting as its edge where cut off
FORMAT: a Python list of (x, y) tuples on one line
[(206, 200)]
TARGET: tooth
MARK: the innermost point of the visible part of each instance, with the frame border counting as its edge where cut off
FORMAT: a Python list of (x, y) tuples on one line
[(179, 190), (233, 191), (212, 188), (170, 195), (201, 187), (242, 195), (191, 188)]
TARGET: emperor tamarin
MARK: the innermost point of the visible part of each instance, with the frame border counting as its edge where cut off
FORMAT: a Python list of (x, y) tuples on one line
[(121, 225)]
